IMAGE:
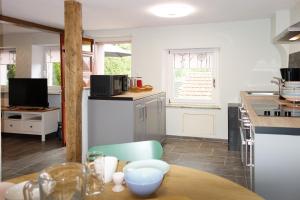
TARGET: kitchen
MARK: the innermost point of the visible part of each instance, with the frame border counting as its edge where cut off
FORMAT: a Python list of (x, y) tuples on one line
[(248, 60)]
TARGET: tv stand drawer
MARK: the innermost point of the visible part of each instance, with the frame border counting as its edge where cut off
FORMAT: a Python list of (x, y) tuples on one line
[(11, 126), (30, 126)]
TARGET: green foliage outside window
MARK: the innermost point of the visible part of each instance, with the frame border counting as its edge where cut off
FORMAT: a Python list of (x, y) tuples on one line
[(56, 73), (11, 71), (118, 65)]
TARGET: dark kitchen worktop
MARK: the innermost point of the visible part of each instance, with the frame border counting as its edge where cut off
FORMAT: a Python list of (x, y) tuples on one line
[(128, 96)]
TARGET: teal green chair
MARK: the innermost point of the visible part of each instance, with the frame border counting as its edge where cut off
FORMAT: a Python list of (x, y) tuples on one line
[(131, 151)]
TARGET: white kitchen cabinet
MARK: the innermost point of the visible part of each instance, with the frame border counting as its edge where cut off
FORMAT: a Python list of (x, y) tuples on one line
[(277, 165), (118, 121), (33, 122)]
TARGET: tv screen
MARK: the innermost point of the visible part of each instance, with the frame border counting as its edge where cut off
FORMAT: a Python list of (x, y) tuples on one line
[(29, 92)]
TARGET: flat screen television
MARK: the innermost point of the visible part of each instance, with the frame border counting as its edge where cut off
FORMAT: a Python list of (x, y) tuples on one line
[(28, 92)]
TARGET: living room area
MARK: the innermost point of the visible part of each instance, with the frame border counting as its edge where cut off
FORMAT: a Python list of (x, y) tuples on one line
[(32, 128), (31, 119)]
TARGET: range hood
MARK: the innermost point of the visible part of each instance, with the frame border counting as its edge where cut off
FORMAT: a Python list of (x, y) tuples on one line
[(291, 34)]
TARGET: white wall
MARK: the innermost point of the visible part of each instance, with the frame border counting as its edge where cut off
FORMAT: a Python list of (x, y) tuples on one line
[(248, 60), (23, 43), (295, 13), (279, 22), (37, 61)]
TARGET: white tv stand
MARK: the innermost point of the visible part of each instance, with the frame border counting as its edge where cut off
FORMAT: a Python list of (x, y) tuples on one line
[(30, 121)]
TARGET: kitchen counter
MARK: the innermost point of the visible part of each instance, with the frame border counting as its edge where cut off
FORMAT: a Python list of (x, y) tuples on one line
[(128, 96), (282, 124), (127, 118), (268, 151)]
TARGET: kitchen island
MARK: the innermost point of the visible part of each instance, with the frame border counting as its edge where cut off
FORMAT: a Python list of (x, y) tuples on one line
[(271, 151), (126, 118)]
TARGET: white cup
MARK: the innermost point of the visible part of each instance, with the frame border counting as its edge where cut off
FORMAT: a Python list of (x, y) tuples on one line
[(110, 166)]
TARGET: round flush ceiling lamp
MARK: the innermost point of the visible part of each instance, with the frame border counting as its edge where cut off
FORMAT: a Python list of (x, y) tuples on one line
[(172, 10)]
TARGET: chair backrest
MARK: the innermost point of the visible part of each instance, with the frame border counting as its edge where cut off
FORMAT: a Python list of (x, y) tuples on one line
[(131, 151)]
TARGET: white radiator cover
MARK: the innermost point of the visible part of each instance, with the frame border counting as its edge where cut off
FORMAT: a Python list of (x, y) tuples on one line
[(198, 125)]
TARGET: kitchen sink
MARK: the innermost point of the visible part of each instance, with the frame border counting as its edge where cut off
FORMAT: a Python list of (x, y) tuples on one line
[(262, 93)]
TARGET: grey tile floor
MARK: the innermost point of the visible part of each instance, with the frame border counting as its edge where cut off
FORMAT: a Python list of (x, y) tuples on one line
[(207, 155), (24, 154)]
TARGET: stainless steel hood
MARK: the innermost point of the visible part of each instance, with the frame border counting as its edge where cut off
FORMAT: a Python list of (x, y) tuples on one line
[(291, 34)]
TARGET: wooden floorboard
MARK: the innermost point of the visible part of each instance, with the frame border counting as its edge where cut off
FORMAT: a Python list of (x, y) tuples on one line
[(24, 154)]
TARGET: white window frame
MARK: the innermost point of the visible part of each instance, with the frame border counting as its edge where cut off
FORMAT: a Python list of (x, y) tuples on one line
[(48, 73), (215, 102), (15, 62)]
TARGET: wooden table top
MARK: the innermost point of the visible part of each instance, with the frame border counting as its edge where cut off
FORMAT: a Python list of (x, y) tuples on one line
[(180, 183)]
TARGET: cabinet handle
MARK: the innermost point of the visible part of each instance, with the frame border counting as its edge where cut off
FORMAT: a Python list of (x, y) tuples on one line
[(30, 126), (250, 143), (11, 125), (214, 82), (143, 113), (159, 105), (145, 108)]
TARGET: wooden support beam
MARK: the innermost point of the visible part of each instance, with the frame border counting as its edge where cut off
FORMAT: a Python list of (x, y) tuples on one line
[(27, 24), (73, 79)]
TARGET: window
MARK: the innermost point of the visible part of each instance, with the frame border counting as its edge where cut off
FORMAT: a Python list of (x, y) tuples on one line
[(193, 76), (7, 64), (117, 59), (53, 73)]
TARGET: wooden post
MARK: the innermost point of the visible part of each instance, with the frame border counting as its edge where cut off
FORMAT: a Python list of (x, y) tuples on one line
[(73, 79)]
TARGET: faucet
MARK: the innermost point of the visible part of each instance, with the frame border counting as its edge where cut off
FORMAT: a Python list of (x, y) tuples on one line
[(279, 82)]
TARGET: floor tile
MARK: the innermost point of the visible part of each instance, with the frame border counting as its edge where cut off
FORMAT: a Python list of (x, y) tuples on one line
[(23, 154)]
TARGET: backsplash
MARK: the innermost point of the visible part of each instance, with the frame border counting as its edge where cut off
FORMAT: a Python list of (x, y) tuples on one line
[(294, 60)]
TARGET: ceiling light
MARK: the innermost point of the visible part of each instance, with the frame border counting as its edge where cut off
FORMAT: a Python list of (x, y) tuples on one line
[(172, 10), (297, 37)]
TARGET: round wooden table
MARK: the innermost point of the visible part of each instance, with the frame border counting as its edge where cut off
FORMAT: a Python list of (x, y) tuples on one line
[(180, 183)]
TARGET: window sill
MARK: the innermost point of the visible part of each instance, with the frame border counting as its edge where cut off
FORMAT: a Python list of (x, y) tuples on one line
[(198, 106)]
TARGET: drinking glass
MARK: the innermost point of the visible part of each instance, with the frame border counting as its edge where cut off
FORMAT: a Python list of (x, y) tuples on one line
[(95, 173)]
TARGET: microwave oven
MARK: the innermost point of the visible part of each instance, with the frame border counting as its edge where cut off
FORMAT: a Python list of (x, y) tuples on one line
[(108, 85)]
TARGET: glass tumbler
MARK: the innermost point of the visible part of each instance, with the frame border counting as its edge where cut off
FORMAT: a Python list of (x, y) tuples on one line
[(95, 173)]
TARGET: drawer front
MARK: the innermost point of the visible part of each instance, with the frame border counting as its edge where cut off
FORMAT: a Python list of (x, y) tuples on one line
[(12, 126), (32, 126)]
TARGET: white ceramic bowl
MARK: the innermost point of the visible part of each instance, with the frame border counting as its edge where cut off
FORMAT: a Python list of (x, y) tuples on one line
[(150, 163), (292, 84), (143, 181)]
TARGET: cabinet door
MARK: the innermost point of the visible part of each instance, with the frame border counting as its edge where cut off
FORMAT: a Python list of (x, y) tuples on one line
[(152, 119), (140, 122)]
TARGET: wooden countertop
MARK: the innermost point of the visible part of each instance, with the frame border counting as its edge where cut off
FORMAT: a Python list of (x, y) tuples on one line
[(284, 122), (180, 183), (129, 96)]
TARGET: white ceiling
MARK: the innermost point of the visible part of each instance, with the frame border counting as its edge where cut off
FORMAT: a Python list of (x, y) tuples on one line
[(117, 14)]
